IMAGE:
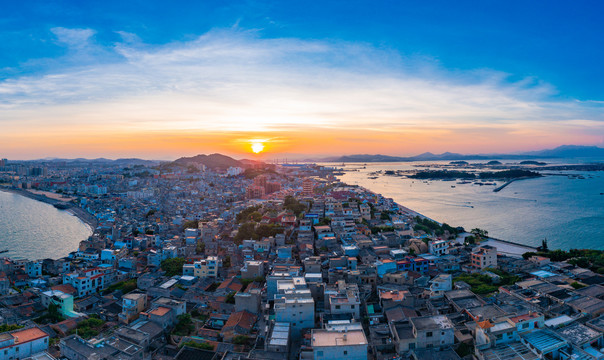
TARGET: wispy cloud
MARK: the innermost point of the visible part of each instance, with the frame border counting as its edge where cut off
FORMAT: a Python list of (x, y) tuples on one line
[(237, 81)]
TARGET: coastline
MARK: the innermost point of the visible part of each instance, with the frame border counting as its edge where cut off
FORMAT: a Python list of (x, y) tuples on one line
[(508, 248), (85, 217)]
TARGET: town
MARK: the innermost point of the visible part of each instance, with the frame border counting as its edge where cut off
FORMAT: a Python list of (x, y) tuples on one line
[(214, 258)]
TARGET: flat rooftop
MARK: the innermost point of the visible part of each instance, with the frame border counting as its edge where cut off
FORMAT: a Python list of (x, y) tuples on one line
[(336, 338), (544, 341), (509, 351), (432, 322), (579, 334)]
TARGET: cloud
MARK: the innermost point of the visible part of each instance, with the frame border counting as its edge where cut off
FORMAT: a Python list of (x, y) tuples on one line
[(73, 38), (236, 81)]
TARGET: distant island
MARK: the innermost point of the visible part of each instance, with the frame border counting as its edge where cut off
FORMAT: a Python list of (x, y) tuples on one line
[(531, 162), (564, 151), (453, 174)]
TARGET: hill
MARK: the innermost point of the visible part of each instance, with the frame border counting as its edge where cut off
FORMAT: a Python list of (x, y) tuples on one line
[(212, 161), (569, 151)]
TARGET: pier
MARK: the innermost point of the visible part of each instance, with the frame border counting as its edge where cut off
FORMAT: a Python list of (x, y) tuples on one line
[(499, 188)]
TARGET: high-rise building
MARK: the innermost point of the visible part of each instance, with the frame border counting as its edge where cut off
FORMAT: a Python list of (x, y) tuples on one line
[(308, 186), (260, 180)]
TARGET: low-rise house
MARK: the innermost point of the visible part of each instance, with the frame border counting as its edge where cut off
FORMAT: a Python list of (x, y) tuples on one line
[(132, 305), (329, 344), (239, 323), (23, 343)]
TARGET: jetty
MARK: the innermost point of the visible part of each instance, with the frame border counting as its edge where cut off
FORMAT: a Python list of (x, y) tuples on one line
[(499, 188)]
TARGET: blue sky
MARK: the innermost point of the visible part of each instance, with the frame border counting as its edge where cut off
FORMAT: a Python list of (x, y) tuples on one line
[(547, 55)]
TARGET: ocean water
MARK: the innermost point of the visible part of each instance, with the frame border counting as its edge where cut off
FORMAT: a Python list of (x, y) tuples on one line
[(569, 212), (32, 229)]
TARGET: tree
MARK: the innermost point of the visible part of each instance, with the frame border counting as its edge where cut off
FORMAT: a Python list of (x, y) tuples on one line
[(184, 326), (480, 233), (199, 345), (543, 246), (470, 240), (173, 266), (241, 340)]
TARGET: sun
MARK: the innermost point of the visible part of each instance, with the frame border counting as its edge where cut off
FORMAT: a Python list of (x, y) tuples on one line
[(257, 147)]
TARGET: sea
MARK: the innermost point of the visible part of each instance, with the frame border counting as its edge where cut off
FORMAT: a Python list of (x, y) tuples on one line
[(30, 229), (564, 207)]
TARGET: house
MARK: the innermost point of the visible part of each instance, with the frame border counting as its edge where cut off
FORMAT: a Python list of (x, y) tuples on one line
[(239, 323), (132, 305), (22, 343), (484, 257), (329, 344)]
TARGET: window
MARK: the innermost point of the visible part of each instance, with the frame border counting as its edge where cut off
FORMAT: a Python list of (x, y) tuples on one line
[(429, 334), (345, 352), (320, 353), (337, 307)]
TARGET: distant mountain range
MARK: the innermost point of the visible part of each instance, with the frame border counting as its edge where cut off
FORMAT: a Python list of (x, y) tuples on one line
[(564, 151), (98, 161)]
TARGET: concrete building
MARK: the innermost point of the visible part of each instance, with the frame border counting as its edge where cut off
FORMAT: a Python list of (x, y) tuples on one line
[(22, 343), (343, 299), (484, 257), (433, 331), (208, 267), (132, 305), (349, 345), (296, 307), (62, 300), (252, 269), (441, 284), (438, 247), (86, 282)]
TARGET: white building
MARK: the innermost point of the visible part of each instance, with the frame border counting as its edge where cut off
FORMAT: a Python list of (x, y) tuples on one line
[(349, 345), (344, 299), (484, 257), (208, 267), (440, 284), (86, 282), (438, 247), (22, 343), (296, 307)]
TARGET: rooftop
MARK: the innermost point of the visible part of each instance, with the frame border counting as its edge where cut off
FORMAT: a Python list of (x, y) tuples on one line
[(509, 351), (579, 334), (432, 322), (544, 341), (336, 338)]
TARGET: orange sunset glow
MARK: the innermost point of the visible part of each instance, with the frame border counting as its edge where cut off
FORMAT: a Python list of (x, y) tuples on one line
[(225, 98)]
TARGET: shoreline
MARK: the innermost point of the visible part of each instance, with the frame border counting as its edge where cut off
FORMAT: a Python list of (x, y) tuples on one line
[(85, 217), (489, 240)]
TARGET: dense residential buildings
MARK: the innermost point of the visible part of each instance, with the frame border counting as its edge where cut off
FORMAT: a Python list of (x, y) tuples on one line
[(264, 261)]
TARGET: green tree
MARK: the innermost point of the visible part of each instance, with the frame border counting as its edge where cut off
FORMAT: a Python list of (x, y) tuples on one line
[(199, 345), (184, 326), (173, 266), (241, 340), (479, 233)]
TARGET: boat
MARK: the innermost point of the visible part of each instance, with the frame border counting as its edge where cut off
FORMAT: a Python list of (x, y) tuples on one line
[(452, 186)]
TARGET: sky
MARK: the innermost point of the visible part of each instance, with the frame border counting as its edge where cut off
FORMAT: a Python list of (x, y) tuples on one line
[(161, 80)]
